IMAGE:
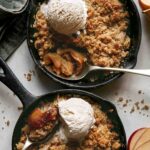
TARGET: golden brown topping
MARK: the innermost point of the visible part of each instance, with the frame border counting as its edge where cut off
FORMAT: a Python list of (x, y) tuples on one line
[(105, 39)]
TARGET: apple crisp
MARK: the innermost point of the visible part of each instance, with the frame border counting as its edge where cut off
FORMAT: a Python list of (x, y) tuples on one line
[(105, 39), (101, 136)]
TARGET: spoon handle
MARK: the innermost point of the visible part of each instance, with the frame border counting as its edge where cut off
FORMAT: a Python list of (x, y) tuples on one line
[(27, 144), (144, 72)]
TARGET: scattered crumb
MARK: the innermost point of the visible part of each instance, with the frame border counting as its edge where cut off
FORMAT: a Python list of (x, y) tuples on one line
[(120, 99), (20, 108), (137, 105), (140, 91), (8, 123), (142, 102), (3, 117), (125, 105), (3, 111), (146, 107), (29, 75), (32, 72), (132, 110), (2, 128)]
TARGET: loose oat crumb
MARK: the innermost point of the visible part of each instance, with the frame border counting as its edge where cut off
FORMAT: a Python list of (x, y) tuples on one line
[(137, 105), (32, 72), (132, 110), (120, 99), (3, 111), (20, 108), (140, 91), (142, 102), (2, 128), (146, 107), (8, 123), (29, 76), (125, 105)]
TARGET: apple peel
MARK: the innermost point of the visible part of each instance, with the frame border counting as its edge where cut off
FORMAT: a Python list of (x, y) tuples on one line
[(135, 137)]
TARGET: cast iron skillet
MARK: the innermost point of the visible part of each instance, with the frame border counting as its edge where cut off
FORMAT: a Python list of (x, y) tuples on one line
[(94, 79), (30, 102)]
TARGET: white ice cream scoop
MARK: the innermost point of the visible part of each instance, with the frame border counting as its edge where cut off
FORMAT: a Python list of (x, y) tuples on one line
[(77, 117), (67, 16)]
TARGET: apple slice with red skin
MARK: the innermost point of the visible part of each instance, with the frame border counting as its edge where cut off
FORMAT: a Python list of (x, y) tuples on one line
[(134, 138), (144, 139), (145, 146), (145, 5)]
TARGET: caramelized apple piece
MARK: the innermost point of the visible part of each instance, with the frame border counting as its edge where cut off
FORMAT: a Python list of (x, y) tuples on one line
[(67, 67), (38, 119), (35, 119), (53, 58), (76, 56), (59, 64), (51, 115), (79, 58)]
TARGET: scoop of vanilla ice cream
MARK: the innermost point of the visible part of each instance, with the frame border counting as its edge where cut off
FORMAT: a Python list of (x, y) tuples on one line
[(67, 16), (77, 116)]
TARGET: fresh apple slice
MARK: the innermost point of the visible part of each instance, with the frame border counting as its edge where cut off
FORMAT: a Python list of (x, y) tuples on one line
[(135, 137), (145, 146), (145, 5), (143, 139)]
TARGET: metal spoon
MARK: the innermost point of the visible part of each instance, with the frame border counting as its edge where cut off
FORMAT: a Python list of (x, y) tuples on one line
[(30, 143), (88, 68)]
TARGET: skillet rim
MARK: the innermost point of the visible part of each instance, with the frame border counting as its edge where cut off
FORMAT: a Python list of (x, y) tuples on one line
[(94, 98), (93, 86)]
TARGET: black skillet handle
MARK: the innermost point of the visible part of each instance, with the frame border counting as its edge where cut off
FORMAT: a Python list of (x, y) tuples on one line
[(11, 81)]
